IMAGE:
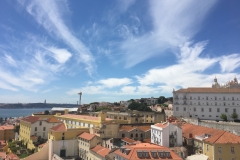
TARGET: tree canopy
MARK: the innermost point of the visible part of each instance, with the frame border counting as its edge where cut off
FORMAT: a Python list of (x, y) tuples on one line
[(162, 100), (234, 116), (139, 107), (223, 117)]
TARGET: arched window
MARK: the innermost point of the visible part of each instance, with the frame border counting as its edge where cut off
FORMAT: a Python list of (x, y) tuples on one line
[(123, 135), (131, 135), (141, 135), (136, 135)]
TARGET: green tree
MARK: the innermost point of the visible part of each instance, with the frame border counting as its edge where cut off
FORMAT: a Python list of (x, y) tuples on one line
[(162, 100), (16, 128), (46, 112), (139, 107), (223, 117), (234, 116)]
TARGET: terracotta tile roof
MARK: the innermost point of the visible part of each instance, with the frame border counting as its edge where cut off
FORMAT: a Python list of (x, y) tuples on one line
[(3, 155), (86, 136), (162, 125), (128, 140), (101, 150), (60, 128), (6, 127), (90, 118), (129, 128), (12, 156), (146, 148), (228, 138), (31, 119), (212, 135), (147, 140), (53, 120), (209, 90)]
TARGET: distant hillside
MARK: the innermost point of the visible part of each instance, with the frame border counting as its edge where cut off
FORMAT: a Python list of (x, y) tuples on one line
[(36, 105)]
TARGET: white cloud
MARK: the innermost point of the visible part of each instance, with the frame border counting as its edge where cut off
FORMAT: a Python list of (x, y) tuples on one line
[(174, 23), (115, 82), (230, 63), (49, 15), (61, 55), (10, 60)]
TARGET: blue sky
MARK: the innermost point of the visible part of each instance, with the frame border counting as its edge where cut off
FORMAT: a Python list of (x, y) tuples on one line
[(114, 50)]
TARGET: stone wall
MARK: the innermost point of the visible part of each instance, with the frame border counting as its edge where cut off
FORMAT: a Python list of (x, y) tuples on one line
[(232, 127)]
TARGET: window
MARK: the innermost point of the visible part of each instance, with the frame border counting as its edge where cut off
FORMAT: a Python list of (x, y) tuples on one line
[(210, 109), (198, 98), (219, 150), (206, 98), (40, 123), (198, 103), (136, 135), (224, 103), (44, 128), (215, 103), (123, 135), (35, 128), (233, 98), (207, 148), (215, 98), (194, 109), (202, 109), (234, 110), (131, 135), (218, 109), (220, 159), (223, 98), (233, 103), (176, 108), (184, 109), (232, 150), (190, 97), (226, 109), (207, 103)]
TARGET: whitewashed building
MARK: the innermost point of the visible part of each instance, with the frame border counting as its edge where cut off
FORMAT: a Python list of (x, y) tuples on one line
[(207, 103), (166, 134)]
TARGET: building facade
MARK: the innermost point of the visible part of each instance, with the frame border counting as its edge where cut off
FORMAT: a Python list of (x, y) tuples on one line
[(207, 103), (7, 132), (133, 117), (166, 134)]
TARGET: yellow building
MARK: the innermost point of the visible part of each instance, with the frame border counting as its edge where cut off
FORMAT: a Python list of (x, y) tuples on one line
[(214, 143), (32, 127), (7, 132), (133, 117), (61, 132), (80, 121)]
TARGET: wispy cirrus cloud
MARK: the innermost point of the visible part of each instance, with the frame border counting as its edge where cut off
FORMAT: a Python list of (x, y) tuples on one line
[(115, 82), (172, 25), (230, 63), (49, 15)]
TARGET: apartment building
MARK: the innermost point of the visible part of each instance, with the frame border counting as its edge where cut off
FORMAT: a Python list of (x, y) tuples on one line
[(7, 132), (214, 143), (86, 141), (207, 103), (145, 151), (166, 134), (32, 127), (135, 132), (133, 117), (77, 121)]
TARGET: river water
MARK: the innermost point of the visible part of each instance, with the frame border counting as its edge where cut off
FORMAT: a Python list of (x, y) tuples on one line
[(20, 112)]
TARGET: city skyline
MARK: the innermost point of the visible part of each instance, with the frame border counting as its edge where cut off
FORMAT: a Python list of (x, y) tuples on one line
[(114, 50)]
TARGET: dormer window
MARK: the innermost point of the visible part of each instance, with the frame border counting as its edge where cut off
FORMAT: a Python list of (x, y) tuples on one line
[(146, 154), (154, 154), (139, 154)]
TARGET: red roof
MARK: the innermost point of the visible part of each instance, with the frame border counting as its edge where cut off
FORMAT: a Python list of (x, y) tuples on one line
[(100, 150), (131, 151), (12, 156), (61, 127), (3, 155), (53, 120), (162, 125), (6, 127), (128, 140), (86, 136), (31, 119), (212, 135)]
